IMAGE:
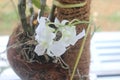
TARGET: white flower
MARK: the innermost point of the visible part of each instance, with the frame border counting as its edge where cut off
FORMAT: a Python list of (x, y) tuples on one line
[(58, 49), (45, 36), (62, 23), (69, 35)]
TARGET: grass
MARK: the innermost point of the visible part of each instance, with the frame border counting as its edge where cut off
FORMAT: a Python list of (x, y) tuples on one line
[(114, 17)]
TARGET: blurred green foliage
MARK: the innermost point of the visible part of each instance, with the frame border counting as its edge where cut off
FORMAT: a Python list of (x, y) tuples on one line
[(114, 17), (8, 17)]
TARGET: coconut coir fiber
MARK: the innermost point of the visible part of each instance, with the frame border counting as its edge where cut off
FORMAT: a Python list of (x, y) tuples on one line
[(81, 13)]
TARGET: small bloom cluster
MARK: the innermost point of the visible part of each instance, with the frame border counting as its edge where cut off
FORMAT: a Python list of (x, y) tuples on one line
[(45, 36)]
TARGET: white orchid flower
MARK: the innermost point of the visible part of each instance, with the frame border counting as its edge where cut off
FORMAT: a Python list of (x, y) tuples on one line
[(58, 23), (69, 35), (58, 49), (44, 36)]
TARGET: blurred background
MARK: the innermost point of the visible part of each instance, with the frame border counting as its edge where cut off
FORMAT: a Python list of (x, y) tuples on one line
[(105, 44), (105, 13)]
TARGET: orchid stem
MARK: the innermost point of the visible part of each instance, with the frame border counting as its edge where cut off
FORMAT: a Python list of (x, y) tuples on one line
[(21, 9), (51, 16), (32, 16), (43, 4)]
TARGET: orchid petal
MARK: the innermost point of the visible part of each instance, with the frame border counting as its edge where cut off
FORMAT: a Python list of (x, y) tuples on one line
[(57, 21), (64, 22), (81, 35), (50, 53), (58, 49), (41, 27), (39, 50)]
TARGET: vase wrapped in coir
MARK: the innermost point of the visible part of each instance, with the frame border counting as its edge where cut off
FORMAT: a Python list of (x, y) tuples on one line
[(82, 14), (20, 45)]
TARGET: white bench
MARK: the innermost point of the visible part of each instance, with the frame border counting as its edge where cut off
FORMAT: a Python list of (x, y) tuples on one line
[(8, 73), (105, 51)]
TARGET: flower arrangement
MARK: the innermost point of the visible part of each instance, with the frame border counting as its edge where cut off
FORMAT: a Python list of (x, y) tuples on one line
[(55, 41), (44, 40), (53, 37)]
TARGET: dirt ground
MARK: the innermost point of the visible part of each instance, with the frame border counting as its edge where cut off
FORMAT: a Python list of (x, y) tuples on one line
[(105, 14)]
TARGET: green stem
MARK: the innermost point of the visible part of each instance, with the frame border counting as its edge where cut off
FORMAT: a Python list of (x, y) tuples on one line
[(76, 22), (43, 4), (32, 16), (80, 53)]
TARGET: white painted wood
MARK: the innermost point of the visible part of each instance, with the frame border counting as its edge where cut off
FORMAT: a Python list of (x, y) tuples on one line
[(3, 42), (3, 45), (9, 74), (105, 52), (109, 78)]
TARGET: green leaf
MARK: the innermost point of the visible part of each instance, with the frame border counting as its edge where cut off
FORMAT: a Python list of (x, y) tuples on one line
[(36, 3)]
